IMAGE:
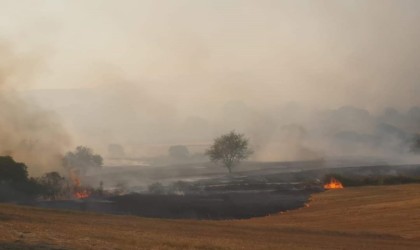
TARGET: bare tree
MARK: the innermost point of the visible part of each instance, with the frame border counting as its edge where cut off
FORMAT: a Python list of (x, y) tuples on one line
[(229, 149)]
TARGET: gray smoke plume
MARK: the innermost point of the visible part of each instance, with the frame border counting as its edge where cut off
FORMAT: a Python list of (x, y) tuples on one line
[(27, 133), (313, 76)]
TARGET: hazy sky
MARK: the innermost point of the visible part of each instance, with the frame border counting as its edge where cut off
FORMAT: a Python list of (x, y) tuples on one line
[(185, 71), (328, 53)]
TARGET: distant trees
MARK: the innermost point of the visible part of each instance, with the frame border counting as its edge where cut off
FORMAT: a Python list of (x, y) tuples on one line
[(179, 152), (15, 184), (415, 144), (116, 150), (82, 159), (229, 149)]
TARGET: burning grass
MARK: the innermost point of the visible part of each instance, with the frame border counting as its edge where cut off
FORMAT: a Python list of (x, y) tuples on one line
[(333, 184), (384, 217), (352, 180)]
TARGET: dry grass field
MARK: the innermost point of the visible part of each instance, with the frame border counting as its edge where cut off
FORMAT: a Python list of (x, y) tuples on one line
[(382, 217)]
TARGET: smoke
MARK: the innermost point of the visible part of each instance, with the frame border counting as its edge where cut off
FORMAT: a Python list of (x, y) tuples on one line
[(27, 133), (302, 79)]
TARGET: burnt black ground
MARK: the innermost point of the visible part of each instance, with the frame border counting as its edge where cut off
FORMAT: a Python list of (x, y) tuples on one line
[(244, 195), (214, 205), (228, 205)]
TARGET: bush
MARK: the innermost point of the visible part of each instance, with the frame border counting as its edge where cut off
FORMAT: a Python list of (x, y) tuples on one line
[(53, 186)]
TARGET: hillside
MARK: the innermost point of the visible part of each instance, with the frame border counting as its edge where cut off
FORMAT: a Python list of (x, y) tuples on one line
[(383, 217)]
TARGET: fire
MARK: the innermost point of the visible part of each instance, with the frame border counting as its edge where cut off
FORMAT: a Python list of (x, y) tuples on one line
[(81, 195), (333, 184), (75, 179), (79, 191)]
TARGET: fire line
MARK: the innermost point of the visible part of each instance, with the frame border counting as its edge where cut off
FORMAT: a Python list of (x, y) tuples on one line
[(333, 184)]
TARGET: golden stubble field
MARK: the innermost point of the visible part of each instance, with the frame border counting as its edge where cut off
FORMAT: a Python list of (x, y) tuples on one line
[(385, 217)]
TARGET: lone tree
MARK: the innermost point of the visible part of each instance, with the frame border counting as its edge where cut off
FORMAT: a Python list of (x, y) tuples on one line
[(229, 149), (82, 159)]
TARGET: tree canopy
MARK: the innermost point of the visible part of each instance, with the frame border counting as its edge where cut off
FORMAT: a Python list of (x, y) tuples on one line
[(14, 181), (12, 171), (229, 149), (82, 159)]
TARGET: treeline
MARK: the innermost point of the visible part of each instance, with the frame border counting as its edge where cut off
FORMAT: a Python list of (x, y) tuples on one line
[(16, 185), (14, 181)]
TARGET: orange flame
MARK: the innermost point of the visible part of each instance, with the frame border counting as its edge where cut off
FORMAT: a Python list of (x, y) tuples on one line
[(74, 178), (81, 195), (79, 191), (333, 184)]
